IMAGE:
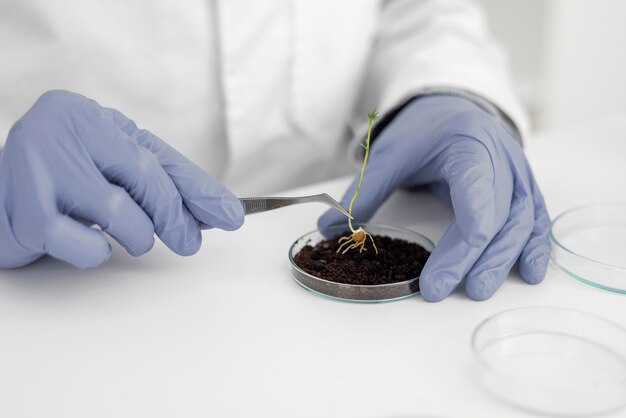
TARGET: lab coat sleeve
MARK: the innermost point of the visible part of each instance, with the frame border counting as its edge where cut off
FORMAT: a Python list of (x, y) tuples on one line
[(437, 46)]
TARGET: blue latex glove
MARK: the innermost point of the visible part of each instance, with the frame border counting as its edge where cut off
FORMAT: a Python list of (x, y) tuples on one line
[(474, 162), (69, 163)]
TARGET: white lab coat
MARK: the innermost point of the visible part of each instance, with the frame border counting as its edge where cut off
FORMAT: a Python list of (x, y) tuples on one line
[(262, 94)]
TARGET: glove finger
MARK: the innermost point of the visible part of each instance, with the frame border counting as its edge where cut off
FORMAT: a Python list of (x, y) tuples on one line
[(536, 254), (493, 266), (448, 264), (208, 200), (75, 243), (468, 170), (137, 170), (112, 208)]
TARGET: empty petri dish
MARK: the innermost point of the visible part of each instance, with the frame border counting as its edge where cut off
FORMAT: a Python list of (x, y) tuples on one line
[(350, 292), (553, 361), (589, 244)]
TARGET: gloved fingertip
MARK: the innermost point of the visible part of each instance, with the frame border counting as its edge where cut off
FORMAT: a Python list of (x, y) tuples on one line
[(106, 255), (483, 286), (435, 288), (540, 266), (139, 249), (75, 243), (94, 259), (190, 247), (534, 271), (233, 214)]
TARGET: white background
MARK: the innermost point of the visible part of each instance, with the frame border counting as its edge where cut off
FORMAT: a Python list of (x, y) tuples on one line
[(567, 56)]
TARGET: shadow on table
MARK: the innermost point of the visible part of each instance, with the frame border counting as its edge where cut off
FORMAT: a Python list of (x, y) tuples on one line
[(50, 278)]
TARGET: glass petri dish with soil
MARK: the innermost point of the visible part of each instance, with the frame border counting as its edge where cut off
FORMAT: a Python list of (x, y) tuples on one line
[(361, 276)]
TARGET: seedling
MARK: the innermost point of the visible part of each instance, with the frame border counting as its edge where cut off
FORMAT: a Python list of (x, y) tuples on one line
[(359, 236)]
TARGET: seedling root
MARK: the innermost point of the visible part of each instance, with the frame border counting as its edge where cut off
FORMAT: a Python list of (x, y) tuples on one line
[(355, 240)]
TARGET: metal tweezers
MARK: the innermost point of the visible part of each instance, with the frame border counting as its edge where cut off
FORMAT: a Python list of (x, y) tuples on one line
[(262, 204)]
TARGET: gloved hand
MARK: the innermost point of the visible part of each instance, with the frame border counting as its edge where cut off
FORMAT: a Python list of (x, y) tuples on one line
[(474, 162), (69, 163)]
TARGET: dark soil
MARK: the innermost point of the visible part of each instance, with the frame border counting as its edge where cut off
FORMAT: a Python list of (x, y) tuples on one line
[(397, 260)]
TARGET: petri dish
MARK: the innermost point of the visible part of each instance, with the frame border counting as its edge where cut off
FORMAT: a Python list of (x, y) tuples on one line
[(589, 244), (552, 361), (357, 293)]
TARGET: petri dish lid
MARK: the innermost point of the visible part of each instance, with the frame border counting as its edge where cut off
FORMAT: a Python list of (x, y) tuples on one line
[(552, 361), (589, 244)]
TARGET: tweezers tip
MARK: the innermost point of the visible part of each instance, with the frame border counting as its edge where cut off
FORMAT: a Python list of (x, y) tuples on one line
[(337, 205)]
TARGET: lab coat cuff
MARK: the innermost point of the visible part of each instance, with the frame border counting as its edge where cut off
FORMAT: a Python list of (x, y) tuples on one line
[(355, 151)]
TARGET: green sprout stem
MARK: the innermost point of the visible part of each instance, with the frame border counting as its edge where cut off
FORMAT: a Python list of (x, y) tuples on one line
[(372, 116)]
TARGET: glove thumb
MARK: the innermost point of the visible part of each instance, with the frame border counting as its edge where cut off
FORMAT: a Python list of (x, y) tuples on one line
[(75, 243)]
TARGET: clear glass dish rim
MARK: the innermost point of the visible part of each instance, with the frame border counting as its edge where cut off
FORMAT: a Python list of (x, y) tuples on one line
[(484, 322), (357, 286), (555, 240)]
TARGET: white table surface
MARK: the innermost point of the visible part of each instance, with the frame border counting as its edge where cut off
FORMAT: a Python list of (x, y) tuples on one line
[(228, 333)]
